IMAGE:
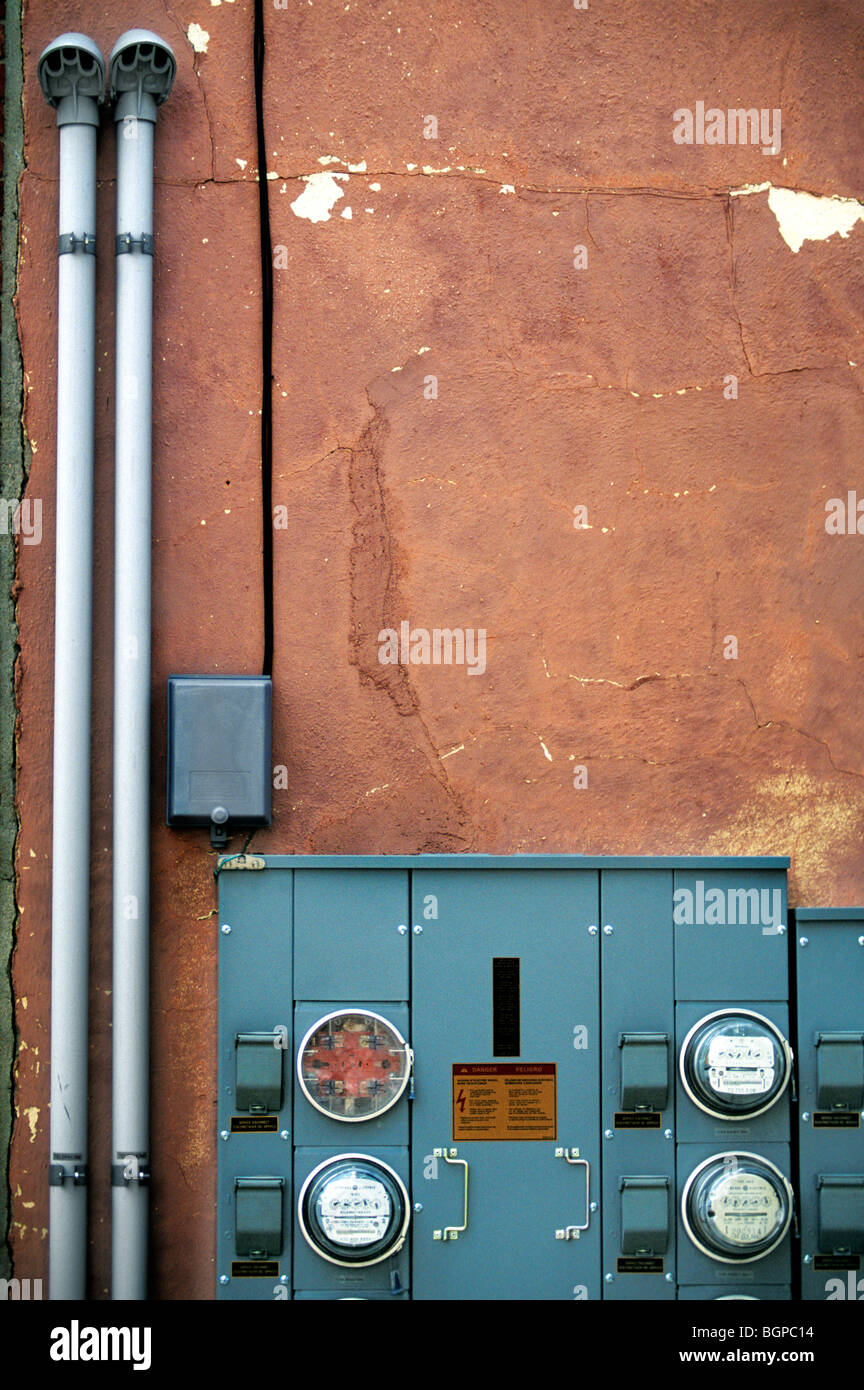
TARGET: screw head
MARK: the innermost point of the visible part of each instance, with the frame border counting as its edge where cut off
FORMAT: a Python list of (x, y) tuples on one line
[(805, 1116), (223, 1278), (610, 1278), (223, 1134), (402, 930), (283, 1278), (592, 931), (418, 1206), (226, 930), (607, 931), (669, 1279), (418, 931), (667, 1134), (861, 941), (808, 1259), (803, 941), (283, 1134), (608, 1134), (592, 1206)]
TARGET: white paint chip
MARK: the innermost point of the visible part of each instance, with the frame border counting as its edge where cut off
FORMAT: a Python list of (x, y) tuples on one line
[(347, 214), (319, 196), (375, 187), (241, 162), (802, 217), (198, 37), (507, 188)]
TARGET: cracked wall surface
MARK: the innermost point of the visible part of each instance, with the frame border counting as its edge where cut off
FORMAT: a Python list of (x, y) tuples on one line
[(694, 385)]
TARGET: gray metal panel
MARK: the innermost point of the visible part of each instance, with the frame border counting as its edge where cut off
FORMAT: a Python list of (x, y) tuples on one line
[(313, 1128), (830, 975), (729, 960), (347, 943), (637, 996), (520, 1191), (707, 1293), (517, 862), (255, 995)]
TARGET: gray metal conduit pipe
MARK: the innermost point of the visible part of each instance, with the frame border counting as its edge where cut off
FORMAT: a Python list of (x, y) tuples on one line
[(141, 73), (71, 73)]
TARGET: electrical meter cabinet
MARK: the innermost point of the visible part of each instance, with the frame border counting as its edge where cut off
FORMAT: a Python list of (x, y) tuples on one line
[(525, 1078)]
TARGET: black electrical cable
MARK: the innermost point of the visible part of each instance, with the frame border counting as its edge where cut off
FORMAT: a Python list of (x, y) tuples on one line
[(266, 345)]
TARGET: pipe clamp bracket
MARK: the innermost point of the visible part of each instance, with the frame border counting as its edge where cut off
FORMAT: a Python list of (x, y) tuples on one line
[(59, 1174), (125, 243), (122, 1174), (68, 242)]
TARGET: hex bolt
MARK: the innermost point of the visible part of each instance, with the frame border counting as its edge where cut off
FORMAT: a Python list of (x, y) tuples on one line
[(226, 930), (803, 941)]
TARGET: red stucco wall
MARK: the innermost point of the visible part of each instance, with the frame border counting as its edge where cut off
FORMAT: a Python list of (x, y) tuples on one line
[(557, 387)]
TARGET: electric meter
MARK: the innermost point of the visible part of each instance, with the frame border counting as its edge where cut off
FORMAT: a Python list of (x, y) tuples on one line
[(735, 1064), (353, 1210), (736, 1207), (353, 1065)]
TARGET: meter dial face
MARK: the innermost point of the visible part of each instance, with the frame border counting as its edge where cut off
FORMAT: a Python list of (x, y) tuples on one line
[(353, 1210), (736, 1207), (353, 1065), (735, 1064)]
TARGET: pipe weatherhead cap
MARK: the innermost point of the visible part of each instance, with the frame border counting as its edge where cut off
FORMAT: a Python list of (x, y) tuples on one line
[(71, 66), (141, 61)]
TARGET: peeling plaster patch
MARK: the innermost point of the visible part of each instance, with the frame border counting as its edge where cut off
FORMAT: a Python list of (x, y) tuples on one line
[(430, 169), (347, 214), (318, 197), (507, 188), (198, 37), (802, 217), (329, 159), (375, 187), (32, 1113), (357, 168), (242, 162)]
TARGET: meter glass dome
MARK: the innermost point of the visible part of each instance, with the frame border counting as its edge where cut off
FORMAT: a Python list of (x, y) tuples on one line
[(353, 1210), (735, 1064), (353, 1065), (736, 1207)]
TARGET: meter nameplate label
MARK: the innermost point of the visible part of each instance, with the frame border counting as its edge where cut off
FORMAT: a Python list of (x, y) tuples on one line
[(637, 1119), (836, 1119), (740, 1066), (354, 1210), (253, 1124), (746, 1208), (504, 1100), (254, 1269), (640, 1264), (837, 1263)]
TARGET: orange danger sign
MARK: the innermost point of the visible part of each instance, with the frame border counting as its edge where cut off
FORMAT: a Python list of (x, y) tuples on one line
[(504, 1100)]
